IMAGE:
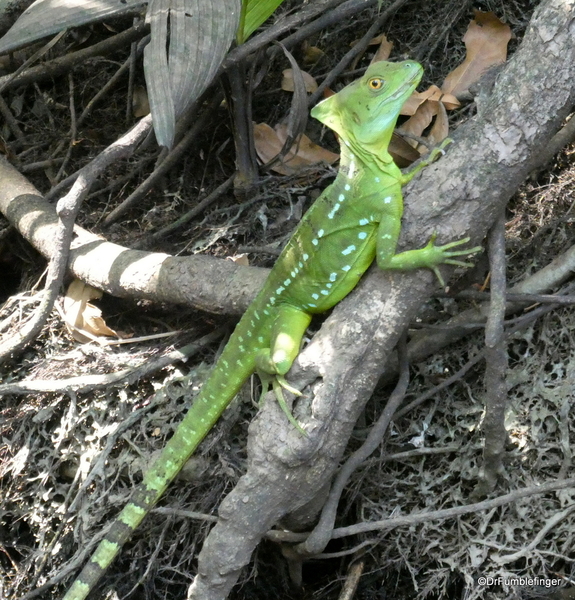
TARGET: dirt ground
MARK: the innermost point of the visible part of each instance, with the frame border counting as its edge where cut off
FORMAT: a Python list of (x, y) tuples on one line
[(51, 441)]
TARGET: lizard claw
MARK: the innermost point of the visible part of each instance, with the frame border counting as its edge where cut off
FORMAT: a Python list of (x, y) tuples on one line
[(278, 382), (286, 386), (277, 385), (438, 275)]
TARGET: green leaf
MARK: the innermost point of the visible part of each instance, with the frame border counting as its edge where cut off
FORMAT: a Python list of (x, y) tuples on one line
[(254, 13)]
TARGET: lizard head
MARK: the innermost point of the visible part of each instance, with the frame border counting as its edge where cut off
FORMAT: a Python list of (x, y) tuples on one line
[(364, 113)]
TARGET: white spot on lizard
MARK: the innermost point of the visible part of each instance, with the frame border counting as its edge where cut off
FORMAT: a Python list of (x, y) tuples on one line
[(333, 211)]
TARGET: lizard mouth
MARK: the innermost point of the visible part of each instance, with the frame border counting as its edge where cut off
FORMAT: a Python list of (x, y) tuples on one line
[(401, 91)]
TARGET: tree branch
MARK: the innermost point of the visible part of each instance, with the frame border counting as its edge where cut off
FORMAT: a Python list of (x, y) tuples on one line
[(204, 282), (491, 156)]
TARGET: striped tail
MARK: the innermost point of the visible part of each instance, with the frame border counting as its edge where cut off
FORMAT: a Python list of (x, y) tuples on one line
[(217, 392)]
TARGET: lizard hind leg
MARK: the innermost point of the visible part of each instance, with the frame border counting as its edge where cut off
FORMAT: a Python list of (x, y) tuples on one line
[(274, 362)]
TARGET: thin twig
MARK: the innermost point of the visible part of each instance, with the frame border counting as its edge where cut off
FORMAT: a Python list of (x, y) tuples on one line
[(185, 514), (551, 523), (559, 270), (131, 77), (356, 50), (428, 516), (11, 120), (60, 66), (73, 129), (510, 297), (168, 162), (353, 578), (67, 210), (496, 366), (32, 59), (514, 325), (119, 182), (186, 217), (89, 383), (128, 64), (294, 21), (434, 39), (238, 86), (561, 139), (322, 532), (40, 165)]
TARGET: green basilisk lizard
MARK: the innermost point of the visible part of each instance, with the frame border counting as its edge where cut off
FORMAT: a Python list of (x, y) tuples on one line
[(356, 219)]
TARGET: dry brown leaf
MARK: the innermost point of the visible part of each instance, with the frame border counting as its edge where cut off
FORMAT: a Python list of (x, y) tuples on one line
[(402, 152), (384, 50), (240, 259), (411, 105), (269, 142), (382, 53), (440, 129), (328, 92), (311, 54), (376, 41), (140, 102), (422, 118), (486, 42), (434, 93), (77, 295), (423, 107), (84, 320), (429, 111), (288, 85), (6, 151), (94, 323)]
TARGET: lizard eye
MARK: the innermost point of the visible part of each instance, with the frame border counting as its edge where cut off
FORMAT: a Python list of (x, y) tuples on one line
[(376, 83)]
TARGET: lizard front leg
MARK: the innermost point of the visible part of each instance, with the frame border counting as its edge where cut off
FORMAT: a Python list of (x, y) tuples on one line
[(274, 362), (433, 155), (430, 256)]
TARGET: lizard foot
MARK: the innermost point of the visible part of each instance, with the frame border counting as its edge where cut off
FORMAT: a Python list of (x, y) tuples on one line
[(443, 255)]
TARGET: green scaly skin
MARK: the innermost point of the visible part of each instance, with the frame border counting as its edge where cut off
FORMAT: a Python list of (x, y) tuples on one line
[(356, 219)]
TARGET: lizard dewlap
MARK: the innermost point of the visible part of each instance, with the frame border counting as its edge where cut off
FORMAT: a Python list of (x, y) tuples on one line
[(355, 220)]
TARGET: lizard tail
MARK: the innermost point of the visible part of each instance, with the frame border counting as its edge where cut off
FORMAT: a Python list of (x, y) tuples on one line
[(225, 380)]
